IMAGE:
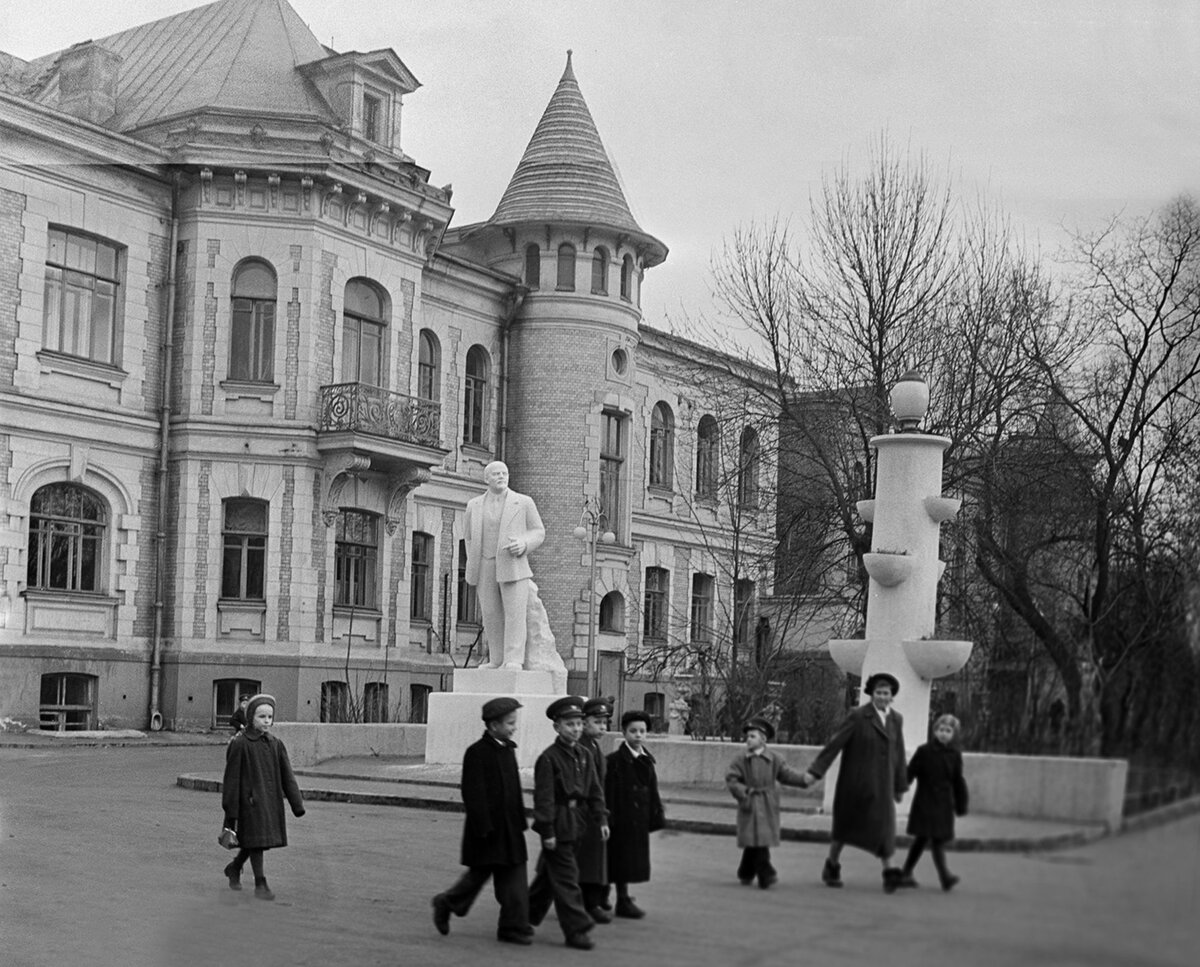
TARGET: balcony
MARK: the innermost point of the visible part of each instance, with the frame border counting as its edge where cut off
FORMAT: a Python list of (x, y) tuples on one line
[(365, 428)]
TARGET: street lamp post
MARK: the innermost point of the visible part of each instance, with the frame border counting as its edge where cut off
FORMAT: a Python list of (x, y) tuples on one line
[(590, 530)]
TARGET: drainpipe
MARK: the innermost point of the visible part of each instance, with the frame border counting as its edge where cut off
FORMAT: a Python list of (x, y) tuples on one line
[(164, 432), (516, 299)]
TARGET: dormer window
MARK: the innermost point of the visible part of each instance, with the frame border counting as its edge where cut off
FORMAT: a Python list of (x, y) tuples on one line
[(372, 118)]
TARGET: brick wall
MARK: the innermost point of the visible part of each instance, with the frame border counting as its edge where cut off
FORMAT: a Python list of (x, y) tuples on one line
[(11, 235)]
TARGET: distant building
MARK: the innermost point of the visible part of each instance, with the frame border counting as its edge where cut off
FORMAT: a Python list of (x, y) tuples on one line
[(250, 375)]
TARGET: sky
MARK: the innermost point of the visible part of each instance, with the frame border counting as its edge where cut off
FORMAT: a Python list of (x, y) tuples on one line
[(719, 113)]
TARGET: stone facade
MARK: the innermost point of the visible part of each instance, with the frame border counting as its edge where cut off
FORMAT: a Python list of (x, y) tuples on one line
[(280, 403)]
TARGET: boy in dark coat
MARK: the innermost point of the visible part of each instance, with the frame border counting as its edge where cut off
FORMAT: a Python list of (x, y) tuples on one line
[(493, 843), (634, 811), (753, 779), (258, 777), (591, 852), (941, 794), (872, 779), (566, 789)]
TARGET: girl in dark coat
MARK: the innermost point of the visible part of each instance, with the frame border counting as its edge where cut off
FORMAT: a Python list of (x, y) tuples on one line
[(493, 842), (941, 794), (634, 811), (258, 777)]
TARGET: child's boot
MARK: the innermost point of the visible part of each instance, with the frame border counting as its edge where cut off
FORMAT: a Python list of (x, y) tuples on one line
[(891, 879), (831, 875), (262, 891), (948, 881), (627, 908), (906, 877), (234, 874)]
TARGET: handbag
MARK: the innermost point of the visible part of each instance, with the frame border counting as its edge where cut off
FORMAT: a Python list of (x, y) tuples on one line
[(228, 838)]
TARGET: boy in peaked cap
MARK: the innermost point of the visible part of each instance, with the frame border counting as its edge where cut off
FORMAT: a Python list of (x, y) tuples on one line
[(591, 852), (566, 791), (635, 810), (753, 779), (493, 843)]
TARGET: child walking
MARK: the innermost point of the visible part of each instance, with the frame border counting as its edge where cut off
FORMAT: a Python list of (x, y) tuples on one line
[(493, 842), (258, 777), (566, 790), (753, 778), (591, 852), (936, 768), (634, 811)]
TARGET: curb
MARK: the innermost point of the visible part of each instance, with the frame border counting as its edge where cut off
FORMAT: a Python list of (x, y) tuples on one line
[(1179, 809), (701, 826)]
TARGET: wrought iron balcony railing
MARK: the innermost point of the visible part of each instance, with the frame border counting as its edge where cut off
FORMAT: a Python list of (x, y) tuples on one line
[(362, 408)]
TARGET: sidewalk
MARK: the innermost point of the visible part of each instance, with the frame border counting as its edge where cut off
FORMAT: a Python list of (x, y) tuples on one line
[(702, 808), (35, 739)]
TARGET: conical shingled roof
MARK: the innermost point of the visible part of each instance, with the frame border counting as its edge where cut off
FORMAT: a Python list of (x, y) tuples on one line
[(565, 174)]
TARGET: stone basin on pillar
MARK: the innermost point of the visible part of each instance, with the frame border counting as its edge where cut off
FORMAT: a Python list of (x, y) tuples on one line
[(941, 509), (888, 569), (866, 510), (936, 658), (849, 653)]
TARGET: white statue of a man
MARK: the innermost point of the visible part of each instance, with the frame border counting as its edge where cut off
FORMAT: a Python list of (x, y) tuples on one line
[(502, 528)]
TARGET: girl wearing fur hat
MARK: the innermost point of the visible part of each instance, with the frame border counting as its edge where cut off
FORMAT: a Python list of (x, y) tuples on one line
[(937, 769), (258, 777)]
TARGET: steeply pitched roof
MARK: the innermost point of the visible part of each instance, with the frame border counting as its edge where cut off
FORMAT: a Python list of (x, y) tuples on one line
[(233, 54), (565, 174)]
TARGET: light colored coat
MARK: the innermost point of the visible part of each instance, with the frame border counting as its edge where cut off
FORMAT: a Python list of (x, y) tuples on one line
[(518, 520), (754, 782)]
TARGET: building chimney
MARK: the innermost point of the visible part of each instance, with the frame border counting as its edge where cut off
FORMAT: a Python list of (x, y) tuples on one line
[(87, 82)]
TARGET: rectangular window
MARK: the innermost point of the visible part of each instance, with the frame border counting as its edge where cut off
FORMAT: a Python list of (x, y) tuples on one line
[(612, 465), (335, 702), (252, 341), (654, 618), (244, 562), (421, 598), (418, 696), (355, 555), (703, 596), (743, 607), (375, 702), (372, 118), (468, 600), (79, 310)]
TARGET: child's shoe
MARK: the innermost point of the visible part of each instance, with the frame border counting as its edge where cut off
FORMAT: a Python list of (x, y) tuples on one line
[(906, 879), (891, 879), (234, 875), (766, 880), (262, 891), (948, 882), (831, 875), (599, 914), (627, 908)]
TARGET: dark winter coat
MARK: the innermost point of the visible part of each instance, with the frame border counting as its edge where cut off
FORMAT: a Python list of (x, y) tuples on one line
[(258, 777), (871, 776), (941, 794), (591, 851), (237, 721), (494, 833), (754, 782), (634, 812), (566, 792)]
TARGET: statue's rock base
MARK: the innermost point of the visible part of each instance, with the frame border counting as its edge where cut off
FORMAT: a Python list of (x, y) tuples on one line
[(454, 717)]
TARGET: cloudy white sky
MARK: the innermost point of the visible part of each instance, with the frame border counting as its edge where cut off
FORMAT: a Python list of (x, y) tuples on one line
[(718, 112)]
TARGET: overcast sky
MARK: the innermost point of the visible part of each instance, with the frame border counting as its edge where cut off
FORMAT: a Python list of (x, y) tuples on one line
[(719, 112)]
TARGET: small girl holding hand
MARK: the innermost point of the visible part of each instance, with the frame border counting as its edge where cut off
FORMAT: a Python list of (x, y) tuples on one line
[(937, 769)]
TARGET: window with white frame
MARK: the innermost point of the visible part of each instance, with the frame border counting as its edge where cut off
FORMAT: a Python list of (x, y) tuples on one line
[(244, 559), (421, 596), (612, 468), (429, 361), (662, 446), (703, 600), (363, 327), (67, 528), (475, 392), (706, 457), (356, 552), (252, 333), (81, 299), (654, 616)]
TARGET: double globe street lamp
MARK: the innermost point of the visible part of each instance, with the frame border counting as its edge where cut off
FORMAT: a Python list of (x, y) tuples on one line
[(592, 531)]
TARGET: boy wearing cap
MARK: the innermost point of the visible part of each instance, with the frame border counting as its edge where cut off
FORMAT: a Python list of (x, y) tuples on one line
[(753, 779), (591, 852), (872, 779), (493, 843), (566, 790), (634, 811)]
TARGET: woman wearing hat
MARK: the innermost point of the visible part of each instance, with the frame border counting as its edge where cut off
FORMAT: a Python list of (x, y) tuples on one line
[(258, 777), (872, 779)]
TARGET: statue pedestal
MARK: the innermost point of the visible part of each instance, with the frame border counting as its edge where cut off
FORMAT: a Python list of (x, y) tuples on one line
[(454, 717)]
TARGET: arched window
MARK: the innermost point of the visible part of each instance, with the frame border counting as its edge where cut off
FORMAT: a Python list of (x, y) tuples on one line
[(335, 701), (67, 527), (475, 392), (363, 323), (706, 457), (566, 267), (533, 266), (375, 702), (612, 613), (429, 363), (627, 278), (600, 271), (748, 469), (662, 445), (252, 336)]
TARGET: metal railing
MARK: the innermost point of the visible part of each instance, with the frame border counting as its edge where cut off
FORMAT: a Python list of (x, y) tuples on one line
[(362, 408)]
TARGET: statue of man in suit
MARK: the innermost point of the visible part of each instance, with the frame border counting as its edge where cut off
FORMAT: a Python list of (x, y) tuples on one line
[(502, 528)]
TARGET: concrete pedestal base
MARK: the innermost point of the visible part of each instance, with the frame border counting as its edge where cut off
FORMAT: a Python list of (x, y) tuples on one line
[(454, 717)]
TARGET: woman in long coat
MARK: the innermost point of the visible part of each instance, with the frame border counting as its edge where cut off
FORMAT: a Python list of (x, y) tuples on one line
[(634, 811), (258, 778), (871, 780)]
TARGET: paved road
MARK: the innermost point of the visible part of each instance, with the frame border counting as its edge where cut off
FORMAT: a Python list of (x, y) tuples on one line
[(104, 861)]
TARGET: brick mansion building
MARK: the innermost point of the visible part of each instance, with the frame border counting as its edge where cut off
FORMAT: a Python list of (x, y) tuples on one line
[(251, 373)]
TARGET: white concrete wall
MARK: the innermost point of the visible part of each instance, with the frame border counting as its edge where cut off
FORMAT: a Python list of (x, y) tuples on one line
[(311, 742)]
